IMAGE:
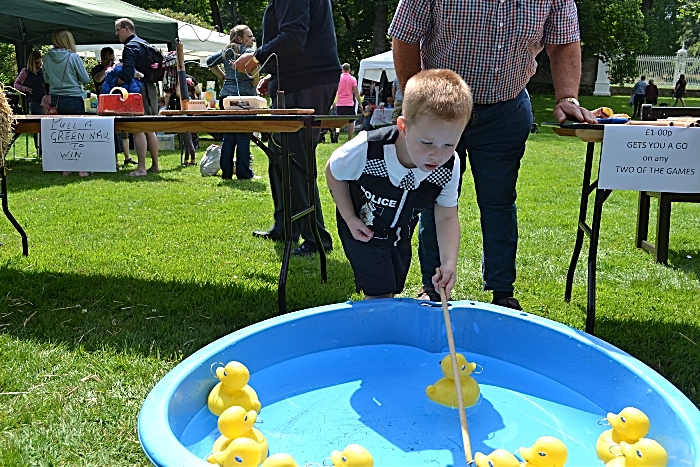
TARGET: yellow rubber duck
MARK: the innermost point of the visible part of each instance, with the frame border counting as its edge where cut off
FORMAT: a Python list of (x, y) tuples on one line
[(241, 452), (443, 391), (644, 453), (546, 452), (498, 458), (280, 460), (630, 425), (236, 423), (232, 389), (353, 455)]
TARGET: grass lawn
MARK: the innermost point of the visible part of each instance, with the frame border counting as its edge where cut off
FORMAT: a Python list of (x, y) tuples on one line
[(126, 277)]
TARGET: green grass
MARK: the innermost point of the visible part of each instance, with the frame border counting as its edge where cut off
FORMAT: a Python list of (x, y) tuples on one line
[(126, 277)]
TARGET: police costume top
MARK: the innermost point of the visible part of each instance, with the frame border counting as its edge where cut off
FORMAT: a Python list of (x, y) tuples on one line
[(386, 195)]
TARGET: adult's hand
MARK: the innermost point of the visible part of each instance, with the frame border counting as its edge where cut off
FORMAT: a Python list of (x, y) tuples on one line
[(29, 91), (245, 63), (568, 110), (262, 88)]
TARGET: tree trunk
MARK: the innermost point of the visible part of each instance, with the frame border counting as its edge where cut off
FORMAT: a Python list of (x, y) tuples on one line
[(216, 16), (234, 13), (379, 29)]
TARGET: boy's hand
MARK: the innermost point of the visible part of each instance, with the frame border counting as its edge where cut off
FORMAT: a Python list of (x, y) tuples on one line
[(446, 279), (359, 230)]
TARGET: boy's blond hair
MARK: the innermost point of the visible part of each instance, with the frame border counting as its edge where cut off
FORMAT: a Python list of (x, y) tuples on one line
[(438, 94), (62, 38)]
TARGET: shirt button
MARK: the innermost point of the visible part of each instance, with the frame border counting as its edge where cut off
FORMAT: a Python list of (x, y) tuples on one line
[(500, 24), (499, 46), (495, 69)]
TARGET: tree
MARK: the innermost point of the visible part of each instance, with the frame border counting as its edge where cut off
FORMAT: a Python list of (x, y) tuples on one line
[(614, 31), (663, 25), (8, 64), (361, 28), (199, 8), (689, 13), (248, 12)]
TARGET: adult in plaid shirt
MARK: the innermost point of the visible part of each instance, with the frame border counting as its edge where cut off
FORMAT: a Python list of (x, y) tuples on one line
[(492, 44)]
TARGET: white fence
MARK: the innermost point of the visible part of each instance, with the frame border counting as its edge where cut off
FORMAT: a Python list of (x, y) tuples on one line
[(666, 70)]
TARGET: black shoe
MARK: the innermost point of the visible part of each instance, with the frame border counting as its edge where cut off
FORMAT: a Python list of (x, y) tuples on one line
[(130, 161), (509, 302), (307, 249), (268, 235), (428, 292)]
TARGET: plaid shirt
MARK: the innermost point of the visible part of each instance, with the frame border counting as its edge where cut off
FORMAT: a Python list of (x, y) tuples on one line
[(492, 44)]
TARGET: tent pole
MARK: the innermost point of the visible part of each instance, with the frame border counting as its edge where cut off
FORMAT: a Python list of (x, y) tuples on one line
[(21, 57)]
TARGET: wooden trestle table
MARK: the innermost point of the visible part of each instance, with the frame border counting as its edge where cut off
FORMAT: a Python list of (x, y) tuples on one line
[(273, 121)]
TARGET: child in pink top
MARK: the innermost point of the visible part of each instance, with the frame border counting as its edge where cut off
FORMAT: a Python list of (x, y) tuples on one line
[(347, 89)]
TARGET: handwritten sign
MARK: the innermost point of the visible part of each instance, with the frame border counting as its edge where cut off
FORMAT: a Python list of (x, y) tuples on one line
[(650, 158), (78, 144)]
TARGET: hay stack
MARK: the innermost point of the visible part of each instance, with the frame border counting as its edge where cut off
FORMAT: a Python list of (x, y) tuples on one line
[(6, 123)]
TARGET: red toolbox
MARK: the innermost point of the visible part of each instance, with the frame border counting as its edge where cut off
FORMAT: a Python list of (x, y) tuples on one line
[(120, 104)]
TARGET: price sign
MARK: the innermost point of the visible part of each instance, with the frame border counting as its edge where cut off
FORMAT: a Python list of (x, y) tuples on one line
[(650, 158)]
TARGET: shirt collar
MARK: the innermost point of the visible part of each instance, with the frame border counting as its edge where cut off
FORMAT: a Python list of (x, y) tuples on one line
[(397, 171)]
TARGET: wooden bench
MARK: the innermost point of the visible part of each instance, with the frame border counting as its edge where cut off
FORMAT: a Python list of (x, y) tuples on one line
[(663, 221)]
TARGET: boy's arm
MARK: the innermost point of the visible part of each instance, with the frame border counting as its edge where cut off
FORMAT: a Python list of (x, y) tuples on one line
[(448, 235), (341, 195)]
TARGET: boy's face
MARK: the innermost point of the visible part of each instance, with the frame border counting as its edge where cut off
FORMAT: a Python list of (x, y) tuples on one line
[(430, 142)]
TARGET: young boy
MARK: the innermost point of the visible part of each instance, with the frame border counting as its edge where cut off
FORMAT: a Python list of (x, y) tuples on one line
[(382, 179)]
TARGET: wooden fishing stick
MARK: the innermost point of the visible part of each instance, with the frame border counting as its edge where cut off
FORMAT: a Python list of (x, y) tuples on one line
[(455, 371)]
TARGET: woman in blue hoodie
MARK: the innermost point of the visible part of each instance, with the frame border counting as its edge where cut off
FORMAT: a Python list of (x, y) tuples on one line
[(65, 73)]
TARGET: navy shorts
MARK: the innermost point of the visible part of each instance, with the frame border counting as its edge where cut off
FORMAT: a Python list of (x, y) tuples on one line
[(346, 110), (379, 268)]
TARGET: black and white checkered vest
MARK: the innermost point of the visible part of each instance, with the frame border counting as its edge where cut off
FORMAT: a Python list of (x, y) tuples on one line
[(391, 211)]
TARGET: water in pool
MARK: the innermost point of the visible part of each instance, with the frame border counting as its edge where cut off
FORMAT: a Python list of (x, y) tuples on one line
[(375, 396)]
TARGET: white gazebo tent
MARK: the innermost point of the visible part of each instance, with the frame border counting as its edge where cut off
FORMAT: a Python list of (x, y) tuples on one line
[(371, 68), (198, 43)]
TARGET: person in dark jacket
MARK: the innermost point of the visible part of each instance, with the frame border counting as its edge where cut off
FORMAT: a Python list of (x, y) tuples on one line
[(134, 59), (651, 93), (679, 90), (298, 43)]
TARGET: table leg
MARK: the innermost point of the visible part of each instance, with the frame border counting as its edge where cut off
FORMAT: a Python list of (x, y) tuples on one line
[(663, 227), (289, 216), (642, 218), (312, 188), (287, 208), (10, 217), (585, 191), (600, 197)]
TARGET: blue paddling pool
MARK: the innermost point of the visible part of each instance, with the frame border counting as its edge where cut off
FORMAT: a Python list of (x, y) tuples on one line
[(357, 372)]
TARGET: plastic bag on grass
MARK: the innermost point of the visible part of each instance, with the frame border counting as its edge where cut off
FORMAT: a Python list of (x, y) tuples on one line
[(210, 163)]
